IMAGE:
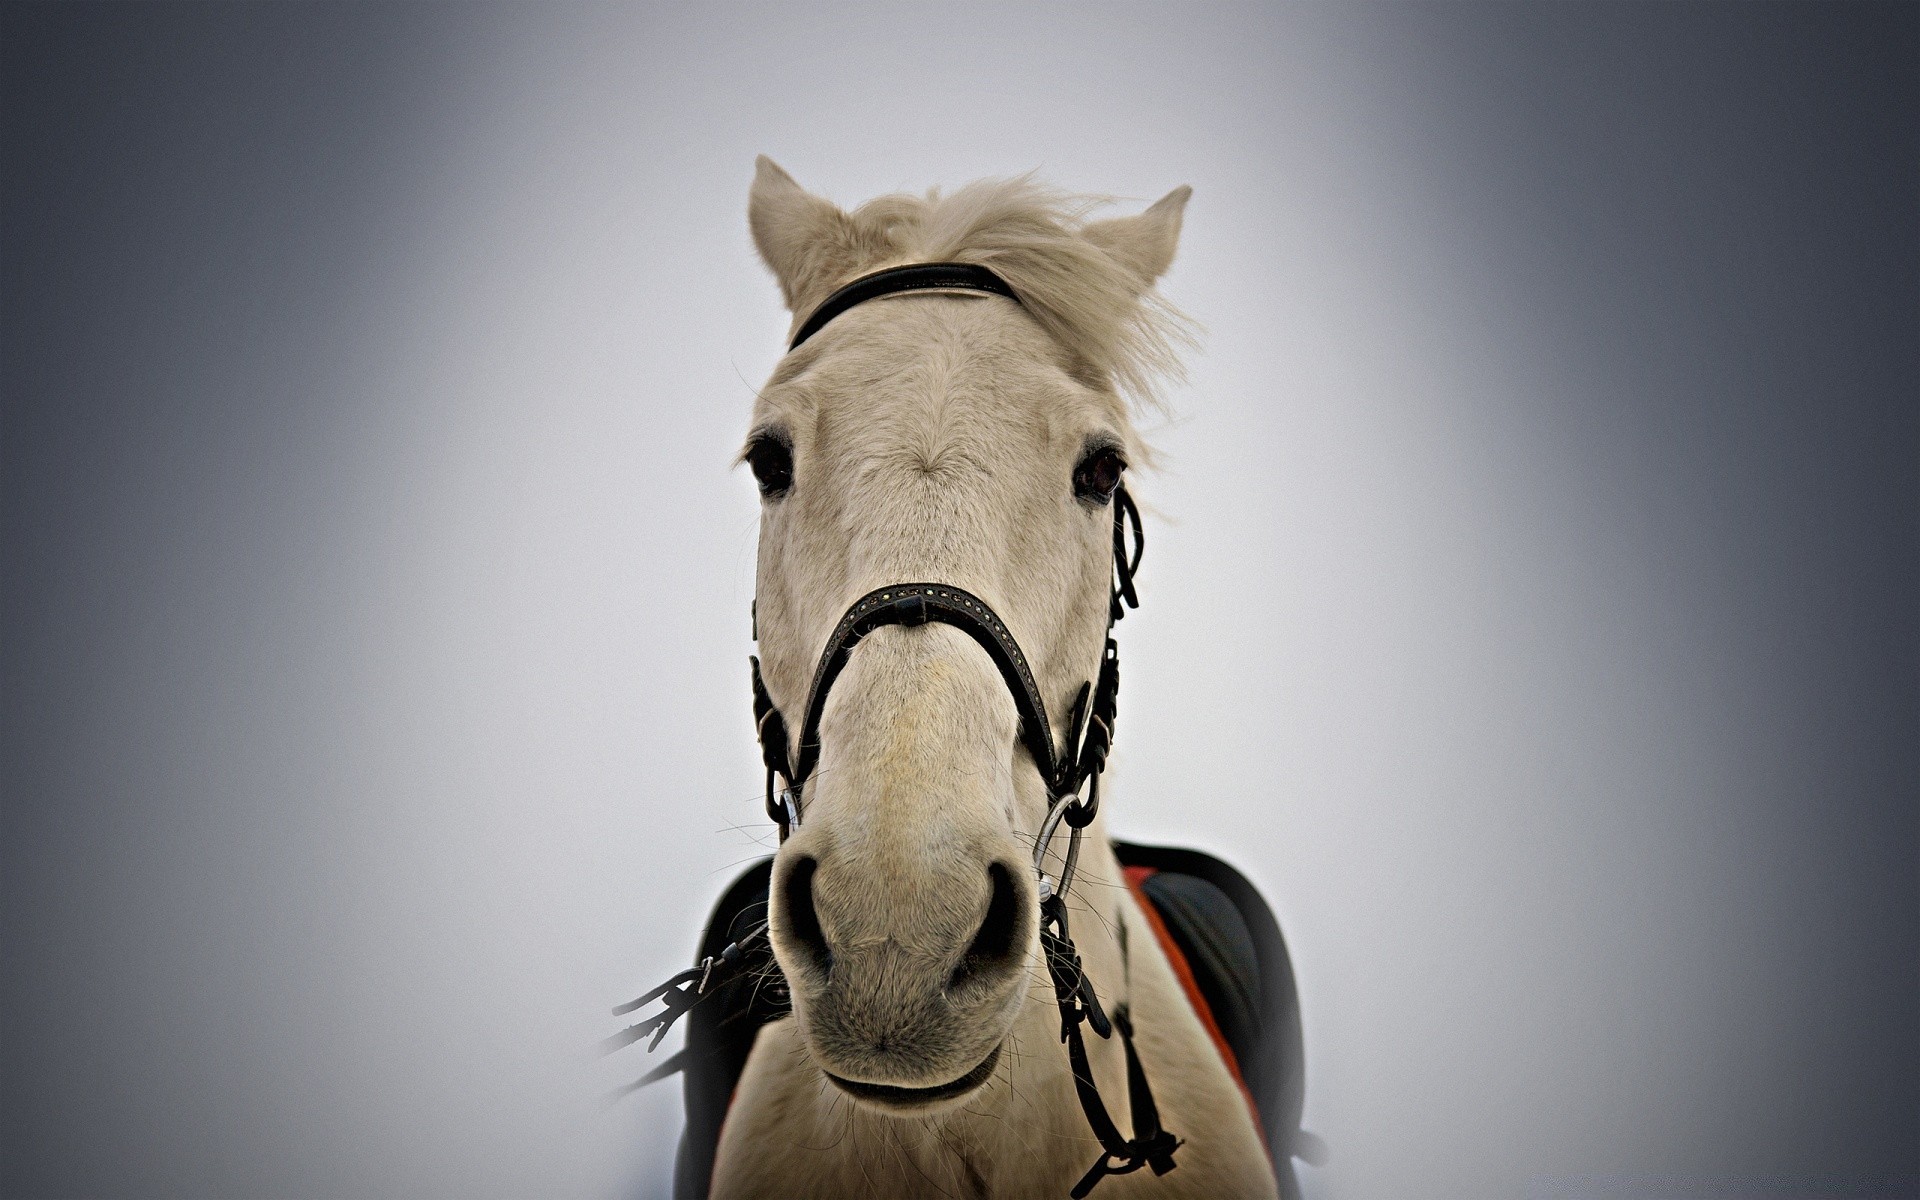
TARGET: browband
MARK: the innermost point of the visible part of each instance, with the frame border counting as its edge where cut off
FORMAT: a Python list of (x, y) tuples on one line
[(921, 277)]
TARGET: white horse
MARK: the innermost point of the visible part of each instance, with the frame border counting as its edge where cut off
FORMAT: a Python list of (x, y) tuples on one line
[(974, 440)]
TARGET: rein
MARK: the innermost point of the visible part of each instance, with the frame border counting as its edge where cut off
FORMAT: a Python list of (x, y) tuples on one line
[(1080, 761)]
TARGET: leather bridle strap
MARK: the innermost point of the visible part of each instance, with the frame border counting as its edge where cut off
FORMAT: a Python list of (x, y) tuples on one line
[(921, 277), (1089, 732), (1125, 513), (1151, 1144), (915, 604)]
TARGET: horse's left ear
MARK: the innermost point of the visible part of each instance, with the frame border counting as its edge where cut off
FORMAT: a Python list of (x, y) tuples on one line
[(1143, 243)]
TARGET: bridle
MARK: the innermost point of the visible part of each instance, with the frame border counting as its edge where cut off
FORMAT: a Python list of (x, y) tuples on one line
[(1078, 762)]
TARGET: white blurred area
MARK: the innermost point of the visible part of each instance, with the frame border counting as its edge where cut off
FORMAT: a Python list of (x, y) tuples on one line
[(1406, 655)]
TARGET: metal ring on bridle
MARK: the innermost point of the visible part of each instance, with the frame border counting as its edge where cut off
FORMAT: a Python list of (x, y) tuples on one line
[(1055, 814)]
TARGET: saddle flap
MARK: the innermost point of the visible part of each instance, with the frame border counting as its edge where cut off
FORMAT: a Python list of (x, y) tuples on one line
[(1240, 980)]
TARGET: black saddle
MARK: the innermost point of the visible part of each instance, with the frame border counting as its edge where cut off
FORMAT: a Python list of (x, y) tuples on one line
[(1218, 920)]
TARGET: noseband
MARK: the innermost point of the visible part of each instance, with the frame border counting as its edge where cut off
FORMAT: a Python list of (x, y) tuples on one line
[(1084, 754), (1077, 762)]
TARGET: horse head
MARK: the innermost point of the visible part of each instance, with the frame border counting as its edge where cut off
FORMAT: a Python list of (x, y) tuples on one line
[(960, 438)]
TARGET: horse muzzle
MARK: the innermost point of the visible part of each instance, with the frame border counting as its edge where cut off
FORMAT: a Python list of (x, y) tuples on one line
[(906, 1004)]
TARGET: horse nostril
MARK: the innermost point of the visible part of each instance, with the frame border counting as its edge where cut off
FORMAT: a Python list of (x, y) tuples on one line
[(803, 923), (992, 950)]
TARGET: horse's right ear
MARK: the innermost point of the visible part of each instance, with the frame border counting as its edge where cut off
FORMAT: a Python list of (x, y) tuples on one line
[(804, 240)]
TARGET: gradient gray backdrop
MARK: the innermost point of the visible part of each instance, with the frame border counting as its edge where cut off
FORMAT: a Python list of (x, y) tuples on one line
[(1530, 606)]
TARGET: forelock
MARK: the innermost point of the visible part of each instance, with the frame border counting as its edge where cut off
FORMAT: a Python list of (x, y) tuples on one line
[(1090, 302)]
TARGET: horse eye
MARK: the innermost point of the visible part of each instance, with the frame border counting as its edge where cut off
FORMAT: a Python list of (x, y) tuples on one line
[(1098, 475), (772, 463)]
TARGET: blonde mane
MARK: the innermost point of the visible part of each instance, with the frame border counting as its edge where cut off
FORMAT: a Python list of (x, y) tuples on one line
[(1090, 291)]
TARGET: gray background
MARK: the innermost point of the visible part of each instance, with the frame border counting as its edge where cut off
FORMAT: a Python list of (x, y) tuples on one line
[(1530, 606)]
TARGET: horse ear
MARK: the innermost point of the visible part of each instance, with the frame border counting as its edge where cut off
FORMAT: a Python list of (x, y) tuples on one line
[(1144, 244), (801, 237)]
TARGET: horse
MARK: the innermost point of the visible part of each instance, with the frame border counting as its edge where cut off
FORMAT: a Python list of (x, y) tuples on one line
[(942, 458)]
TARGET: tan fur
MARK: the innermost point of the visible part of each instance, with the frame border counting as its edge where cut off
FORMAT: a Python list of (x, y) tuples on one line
[(934, 438)]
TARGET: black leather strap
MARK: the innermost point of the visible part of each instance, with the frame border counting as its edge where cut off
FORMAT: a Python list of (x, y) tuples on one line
[(1151, 1145), (1089, 730), (1125, 513), (913, 604), (922, 277)]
